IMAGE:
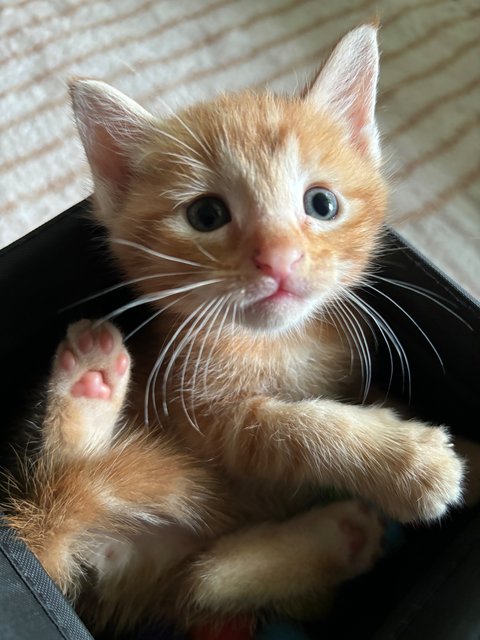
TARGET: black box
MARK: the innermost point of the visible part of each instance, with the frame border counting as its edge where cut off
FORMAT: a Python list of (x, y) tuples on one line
[(428, 588)]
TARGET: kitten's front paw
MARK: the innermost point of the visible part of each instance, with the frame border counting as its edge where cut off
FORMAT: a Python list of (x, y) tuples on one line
[(427, 475), (88, 384)]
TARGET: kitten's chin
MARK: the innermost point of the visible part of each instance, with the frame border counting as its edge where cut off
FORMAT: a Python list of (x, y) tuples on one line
[(279, 312)]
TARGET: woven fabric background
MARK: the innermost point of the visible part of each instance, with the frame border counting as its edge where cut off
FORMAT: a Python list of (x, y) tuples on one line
[(181, 50)]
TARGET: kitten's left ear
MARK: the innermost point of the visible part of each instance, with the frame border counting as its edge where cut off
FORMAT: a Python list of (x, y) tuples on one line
[(346, 87)]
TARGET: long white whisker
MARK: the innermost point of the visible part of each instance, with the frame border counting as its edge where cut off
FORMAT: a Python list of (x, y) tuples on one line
[(351, 331), (358, 302), (215, 342), (153, 316), (152, 378), (234, 313), (155, 297), (179, 348), (157, 254), (206, 253), (344, 333), (357, 327), (210, 318), (402, 356), (127, 283), (426, 294), (398, 306)]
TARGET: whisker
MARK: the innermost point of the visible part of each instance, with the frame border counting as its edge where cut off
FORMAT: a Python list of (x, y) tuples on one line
[(178, 349), (402, 356), (342, 333), (363, 345), (215, 342), (206, 253), (348, 326), (157, 254), (399, 306), (152, 378), (431, 295), (155, 297), (153, 316), (126, 283), (210, 318), (359, 304)]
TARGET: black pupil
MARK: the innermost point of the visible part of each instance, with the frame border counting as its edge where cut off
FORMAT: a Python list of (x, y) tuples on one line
[(322, 204), (208, 214)]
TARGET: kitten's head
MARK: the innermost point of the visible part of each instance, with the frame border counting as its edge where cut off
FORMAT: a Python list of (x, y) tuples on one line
[(268, 206)]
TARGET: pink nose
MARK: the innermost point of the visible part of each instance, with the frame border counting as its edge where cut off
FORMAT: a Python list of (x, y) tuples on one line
[(278, 262)]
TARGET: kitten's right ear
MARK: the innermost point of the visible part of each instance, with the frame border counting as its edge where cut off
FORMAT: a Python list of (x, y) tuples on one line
[(112, 128)]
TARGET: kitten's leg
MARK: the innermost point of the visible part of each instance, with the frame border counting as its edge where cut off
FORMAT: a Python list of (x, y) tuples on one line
[(407, 468), (291, 567), (85, 484)]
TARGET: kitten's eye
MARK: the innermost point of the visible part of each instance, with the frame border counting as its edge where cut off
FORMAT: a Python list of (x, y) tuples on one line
[(208, 214), (320, 203)]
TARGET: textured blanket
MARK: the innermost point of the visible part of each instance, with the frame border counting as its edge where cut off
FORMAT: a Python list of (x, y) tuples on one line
[(177, 51)]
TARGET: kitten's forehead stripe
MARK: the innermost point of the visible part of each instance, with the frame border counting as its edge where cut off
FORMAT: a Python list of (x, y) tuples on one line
[(267, 177), (258, 153)]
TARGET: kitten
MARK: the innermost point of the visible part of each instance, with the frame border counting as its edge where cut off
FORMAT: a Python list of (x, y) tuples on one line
[(242, 221)]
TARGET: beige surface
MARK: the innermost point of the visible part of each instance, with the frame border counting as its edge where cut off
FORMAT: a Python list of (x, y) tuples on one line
[(182, 50)]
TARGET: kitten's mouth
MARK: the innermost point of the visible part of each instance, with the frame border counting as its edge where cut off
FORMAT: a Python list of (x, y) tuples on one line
[(275, 305), (280, 295), (277, 292)]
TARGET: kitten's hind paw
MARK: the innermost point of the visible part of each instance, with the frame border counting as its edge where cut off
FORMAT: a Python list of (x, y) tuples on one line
[(88, 385), (93, 362), (354, 532)]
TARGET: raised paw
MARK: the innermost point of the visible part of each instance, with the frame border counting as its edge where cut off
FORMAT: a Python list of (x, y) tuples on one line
[(93, 361), (87, 387)]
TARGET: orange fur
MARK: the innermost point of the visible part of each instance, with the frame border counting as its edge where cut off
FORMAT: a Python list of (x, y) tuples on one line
[(253, 399)]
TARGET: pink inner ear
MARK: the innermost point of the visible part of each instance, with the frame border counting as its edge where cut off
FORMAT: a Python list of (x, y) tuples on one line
[(109, 161)]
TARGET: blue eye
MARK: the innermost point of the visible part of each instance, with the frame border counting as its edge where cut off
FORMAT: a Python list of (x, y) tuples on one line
[(320, 203), (208, 213)]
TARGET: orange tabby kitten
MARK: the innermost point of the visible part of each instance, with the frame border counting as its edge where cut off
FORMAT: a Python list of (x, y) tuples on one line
[(260, 212)]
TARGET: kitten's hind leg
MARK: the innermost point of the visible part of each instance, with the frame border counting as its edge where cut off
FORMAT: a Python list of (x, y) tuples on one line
[(291, 567), (86, 391)]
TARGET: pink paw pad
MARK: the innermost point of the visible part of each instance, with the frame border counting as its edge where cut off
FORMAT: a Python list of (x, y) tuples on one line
[(67, 360), (91, 385), (121, 364), (106, 342), (85, 342)]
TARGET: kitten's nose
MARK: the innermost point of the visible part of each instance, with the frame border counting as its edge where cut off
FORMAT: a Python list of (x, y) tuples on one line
[(278, 262)]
